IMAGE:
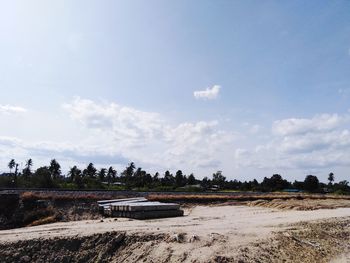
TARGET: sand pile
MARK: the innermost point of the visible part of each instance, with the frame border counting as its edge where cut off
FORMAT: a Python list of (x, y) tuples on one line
[(323, 241), (301, 204), (320, 241)]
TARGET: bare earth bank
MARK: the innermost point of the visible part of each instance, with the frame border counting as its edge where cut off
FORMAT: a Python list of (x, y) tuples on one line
[(205, 234)]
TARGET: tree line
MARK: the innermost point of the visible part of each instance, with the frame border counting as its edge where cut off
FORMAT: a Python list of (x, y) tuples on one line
[(132, 178)]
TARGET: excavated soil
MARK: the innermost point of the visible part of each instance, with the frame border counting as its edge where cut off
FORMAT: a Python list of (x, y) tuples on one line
[(318, 241), (323, 241), (301, 204)]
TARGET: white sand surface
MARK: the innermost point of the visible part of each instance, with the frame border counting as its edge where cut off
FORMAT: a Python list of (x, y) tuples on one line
[(236, 224)]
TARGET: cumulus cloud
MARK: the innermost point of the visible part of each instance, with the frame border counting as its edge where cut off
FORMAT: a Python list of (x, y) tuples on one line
[(315, 141), (67, 153), (208, 93), (322, 141), (147, 137), (323, 122), (128, 125), (110, 133), (9, 109)]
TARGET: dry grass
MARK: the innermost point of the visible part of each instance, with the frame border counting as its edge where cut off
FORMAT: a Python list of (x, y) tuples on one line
[(28, 196), (193, 198), (43, 221), (304, 204), (182, 198)]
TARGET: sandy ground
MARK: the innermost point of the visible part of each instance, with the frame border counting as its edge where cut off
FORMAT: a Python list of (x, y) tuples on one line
[(345, 258), (204, 234), (240, 223), (301, 204)]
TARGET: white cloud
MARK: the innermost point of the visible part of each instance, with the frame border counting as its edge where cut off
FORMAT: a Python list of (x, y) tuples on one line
[(113, 134), (322, 141), (323, 122), (147, 137), (311, 142), (128, 125), (68, 154), (208, 93), (9, 109)]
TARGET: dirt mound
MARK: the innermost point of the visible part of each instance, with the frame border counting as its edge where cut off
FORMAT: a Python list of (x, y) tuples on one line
[(301, 204), (303, 242), (16, 211), (96, 248)]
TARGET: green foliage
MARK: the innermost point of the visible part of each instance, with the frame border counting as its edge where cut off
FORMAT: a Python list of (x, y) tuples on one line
[(6, 181), (102, 174), (90, 171), (331, 178), (179, 179), (342, 187), (311, 183), (274, 183), (138, 179), (12, 164), (219, 179), (42, 178), (55, 169)]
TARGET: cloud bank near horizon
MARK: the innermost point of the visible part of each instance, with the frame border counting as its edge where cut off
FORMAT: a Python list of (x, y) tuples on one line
[(114, 134)]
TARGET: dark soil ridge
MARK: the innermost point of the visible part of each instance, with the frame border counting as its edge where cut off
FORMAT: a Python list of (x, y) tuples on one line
[(16, 211), (95, 248)]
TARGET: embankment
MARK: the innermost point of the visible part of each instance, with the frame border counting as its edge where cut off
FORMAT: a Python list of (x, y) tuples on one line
[(319, 241)]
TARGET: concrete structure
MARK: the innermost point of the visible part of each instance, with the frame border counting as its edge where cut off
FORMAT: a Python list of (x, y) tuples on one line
[(138, 208)]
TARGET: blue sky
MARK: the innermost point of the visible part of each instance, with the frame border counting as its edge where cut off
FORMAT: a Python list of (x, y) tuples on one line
[(115, 81)]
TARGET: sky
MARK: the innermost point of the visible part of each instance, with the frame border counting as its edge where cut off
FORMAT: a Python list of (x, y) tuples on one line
[(250, 88)]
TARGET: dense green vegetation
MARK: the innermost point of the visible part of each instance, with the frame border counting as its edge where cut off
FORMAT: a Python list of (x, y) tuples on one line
[(133, 178)]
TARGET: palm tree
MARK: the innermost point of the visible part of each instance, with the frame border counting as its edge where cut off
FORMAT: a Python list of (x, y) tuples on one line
[(331, 178), (26, 171), (111, 174), (15, 176), (29, 163), (90, 171), (76, 176), (16, 170), (102, 174), (73, 172), (12, 165), (55, 169)]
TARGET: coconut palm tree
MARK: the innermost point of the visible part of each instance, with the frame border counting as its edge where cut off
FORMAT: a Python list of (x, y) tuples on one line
[(331, 178), (90, 171), (29, 163), (55, 169), (102, 174), (73, 172), (12, 165), (111, 174), (27, 170)]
